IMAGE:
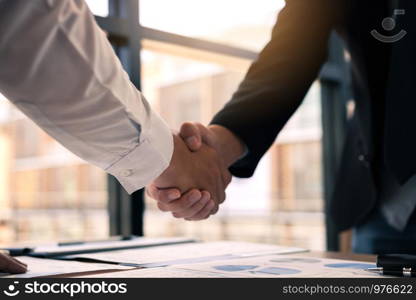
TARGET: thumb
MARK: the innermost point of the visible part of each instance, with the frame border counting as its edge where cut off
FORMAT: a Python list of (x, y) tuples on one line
[(191, 135)]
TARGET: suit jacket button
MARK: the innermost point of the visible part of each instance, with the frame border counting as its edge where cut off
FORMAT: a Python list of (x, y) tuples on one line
[(364, 160), (126, 173)]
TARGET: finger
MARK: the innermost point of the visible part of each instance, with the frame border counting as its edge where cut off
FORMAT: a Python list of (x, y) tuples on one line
[(151, 191), (162, 207), (163, 195), (19, 262), (226, 177), (191, 135), (8, 265), (207, 136), (195, 208), (216, 206), (214, 210), (182, 204), (204, 213), (226, 180), (220, 196)]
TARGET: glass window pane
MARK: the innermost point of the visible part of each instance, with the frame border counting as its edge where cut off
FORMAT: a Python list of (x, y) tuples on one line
[(98, 7), (239, 23), (46, 193), (282, 202)]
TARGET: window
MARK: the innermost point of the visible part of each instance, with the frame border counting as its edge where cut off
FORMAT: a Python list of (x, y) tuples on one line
[(47, 194), (282, 203), (193, 55), (238, 23), (98, 7)]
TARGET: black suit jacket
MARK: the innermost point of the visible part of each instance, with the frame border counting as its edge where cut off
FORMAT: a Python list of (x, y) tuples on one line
[(278, 80)]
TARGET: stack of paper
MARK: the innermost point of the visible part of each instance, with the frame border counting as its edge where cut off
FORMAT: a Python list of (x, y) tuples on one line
[(267, 266), (185, 258), (185, 253)]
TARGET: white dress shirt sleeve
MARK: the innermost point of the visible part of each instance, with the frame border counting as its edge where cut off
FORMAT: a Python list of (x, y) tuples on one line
[(58, 68)]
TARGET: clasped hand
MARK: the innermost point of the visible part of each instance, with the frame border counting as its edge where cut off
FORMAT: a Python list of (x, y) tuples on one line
[(194, 184)]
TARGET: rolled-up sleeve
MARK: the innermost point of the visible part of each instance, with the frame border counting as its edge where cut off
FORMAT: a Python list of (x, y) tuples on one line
[(57, 67)]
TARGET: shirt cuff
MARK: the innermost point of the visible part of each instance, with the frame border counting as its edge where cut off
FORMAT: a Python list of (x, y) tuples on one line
[(148, 160)]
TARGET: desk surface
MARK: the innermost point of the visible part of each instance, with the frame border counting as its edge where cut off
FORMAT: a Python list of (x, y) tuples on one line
[(311, 254), (340, 255), (317, 254)]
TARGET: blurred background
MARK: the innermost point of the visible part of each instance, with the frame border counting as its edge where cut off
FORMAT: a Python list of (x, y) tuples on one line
[(189, 57)]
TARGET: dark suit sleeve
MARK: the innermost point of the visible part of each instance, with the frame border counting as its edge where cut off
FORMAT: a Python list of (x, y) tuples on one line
[(278, 80)]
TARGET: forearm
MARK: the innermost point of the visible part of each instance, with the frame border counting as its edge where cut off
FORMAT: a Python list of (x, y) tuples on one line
[(70, 82), (230, 147), (279, 79)]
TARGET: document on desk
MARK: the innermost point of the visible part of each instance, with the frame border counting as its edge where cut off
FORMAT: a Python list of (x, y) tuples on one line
[(185, 253), (284, 266), (159, 272), (41, 267), (268, 266)]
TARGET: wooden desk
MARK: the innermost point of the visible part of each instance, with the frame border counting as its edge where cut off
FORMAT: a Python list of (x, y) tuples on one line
[(340, 255)]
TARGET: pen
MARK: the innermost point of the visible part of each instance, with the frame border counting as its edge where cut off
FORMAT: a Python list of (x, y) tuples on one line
[(16, 251), (404, 272), (26, 250), (112, 239)]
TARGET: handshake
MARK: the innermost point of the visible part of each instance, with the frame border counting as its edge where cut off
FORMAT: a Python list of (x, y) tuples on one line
[(193, 186)]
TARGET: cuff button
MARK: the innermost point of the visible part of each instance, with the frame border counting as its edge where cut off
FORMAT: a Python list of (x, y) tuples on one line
[(127, 173)]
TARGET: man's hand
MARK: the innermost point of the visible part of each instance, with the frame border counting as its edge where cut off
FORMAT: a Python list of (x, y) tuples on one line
[(201, 175), (9, 264), (227, 144), (195, 135)]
